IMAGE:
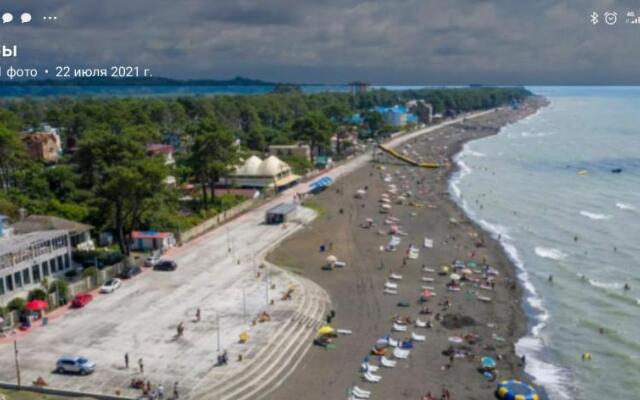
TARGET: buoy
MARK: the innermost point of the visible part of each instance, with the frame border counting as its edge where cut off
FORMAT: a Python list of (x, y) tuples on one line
[(586, 356)]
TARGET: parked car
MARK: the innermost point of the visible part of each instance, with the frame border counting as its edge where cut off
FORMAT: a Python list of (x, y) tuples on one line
[(111, 285), (165, 265), (81, 300), (129, 272), (74, 365), (151, 261)]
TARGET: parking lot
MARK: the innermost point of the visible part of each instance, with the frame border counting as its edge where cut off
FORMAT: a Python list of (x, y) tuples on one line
[(216, 273)]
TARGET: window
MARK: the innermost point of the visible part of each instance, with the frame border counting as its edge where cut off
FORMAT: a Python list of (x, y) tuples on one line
[(53, 265), (26, 276), (45, 268), (67, 264), (60, 265), (1, 286), (18, 279), (35, 270), (9, 283)]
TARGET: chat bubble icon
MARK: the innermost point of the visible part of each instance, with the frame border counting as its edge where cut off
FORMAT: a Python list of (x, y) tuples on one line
[(25, 18), (6, 18)]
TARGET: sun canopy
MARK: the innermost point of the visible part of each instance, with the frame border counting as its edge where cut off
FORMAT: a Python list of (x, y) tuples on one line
[(516, 390), (488, 362), (326, 330), (36, 305), (320, 183)]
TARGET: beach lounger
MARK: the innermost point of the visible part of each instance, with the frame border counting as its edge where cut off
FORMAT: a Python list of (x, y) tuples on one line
[(345, 331), (340, 264), (424, 287), (395, 276), (392, 342), (390, 285), (401, 353), (418, 338), (357, 395), (421, 324), (390, 291), (371, 378), (387, 363), (361, 391), (365, 366), (427, 269), (427, 279), (399, 328)]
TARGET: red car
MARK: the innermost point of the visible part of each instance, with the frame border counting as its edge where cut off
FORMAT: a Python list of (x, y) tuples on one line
[(81, 300)]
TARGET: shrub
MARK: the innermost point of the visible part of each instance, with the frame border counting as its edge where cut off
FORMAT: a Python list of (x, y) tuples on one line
[(17, 304), (37, 294), (90, 272), (61, 288), (3, 312)]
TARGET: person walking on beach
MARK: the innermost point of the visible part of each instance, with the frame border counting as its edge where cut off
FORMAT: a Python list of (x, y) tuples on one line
[(141, 365), (175, 390), (126, 360), (198, 315)]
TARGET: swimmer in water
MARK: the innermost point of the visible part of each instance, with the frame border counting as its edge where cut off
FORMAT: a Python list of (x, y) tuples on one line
[(627, 287), (575, 238), (550, 279)]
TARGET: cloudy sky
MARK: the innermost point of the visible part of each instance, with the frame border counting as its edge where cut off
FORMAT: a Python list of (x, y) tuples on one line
[(335, 41)]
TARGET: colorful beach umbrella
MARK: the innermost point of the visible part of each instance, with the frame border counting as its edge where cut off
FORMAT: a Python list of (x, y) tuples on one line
[(466, 271), (516, 390), (36, 305), (445, 269), (454, 277), (331, 259), (488, 362), (427, 293), (326, 330)]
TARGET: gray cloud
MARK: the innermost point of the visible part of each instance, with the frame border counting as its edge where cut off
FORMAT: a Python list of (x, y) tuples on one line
[(333, 41)]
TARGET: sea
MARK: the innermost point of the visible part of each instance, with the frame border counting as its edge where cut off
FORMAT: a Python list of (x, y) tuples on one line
[(561, 191)]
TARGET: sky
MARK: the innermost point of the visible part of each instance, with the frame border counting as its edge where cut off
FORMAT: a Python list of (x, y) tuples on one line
[(401, 42)]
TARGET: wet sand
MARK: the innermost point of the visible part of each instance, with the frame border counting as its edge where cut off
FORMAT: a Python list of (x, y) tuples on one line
[(357, 290)]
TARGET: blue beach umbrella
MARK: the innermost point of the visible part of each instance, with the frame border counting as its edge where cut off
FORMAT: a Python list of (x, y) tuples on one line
[(516, 390), (488, 363)]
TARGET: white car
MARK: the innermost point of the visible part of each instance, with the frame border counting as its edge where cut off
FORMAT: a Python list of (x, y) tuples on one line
[(111, 285), (151, 261)]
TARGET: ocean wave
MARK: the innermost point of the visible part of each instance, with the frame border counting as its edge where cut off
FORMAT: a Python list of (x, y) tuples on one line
[(499, 231), (474, 153), (606, 285), (594, 216), (624, 206), (556, 380), (550, 252)]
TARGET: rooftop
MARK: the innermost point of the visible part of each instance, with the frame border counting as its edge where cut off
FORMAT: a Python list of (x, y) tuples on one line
[(282, 208), (34, 223), (20, 242)]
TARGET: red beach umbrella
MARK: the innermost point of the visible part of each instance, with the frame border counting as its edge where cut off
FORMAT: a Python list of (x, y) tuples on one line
[(36, 305), (427, 293)]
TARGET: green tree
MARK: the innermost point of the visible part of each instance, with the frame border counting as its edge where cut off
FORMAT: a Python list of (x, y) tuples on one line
[(37, 294), (315, 129), (213, 155), (12, 158), (122, 176), (18, 304)]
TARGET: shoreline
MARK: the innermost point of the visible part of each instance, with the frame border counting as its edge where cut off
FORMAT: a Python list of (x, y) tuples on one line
[(286, 256)]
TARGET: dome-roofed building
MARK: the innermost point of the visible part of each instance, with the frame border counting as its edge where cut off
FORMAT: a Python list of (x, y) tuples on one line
[(268, 173)]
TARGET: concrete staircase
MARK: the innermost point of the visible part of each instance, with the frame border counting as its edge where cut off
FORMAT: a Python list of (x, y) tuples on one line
[(263, 370)]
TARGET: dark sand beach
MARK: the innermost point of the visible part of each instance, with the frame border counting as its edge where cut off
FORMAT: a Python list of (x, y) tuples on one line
[(357, 290)]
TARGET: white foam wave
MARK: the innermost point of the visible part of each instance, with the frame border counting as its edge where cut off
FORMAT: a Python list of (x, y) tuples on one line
[(554, 379), (499, 231), (594, 216), (624, 206), (550, 252), (606, 285), (475, 153)]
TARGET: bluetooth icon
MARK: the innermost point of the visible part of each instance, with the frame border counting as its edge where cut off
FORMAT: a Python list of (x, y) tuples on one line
[(594, 18)]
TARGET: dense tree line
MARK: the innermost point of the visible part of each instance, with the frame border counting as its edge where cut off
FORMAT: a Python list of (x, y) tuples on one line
[(112, 182)]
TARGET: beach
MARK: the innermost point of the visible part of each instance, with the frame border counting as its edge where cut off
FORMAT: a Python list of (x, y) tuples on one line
[(356, 290)]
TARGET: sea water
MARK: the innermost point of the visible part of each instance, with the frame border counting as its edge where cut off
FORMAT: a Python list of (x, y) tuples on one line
[(545, 187)]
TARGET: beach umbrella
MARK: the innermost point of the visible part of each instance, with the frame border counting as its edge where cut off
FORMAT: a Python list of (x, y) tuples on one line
[(466, 271), (326, 330), (454, 277), (516, 390), (427, 293), (244, 337), (445, 269), (488, 363), (331, 259), (36, 305)]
